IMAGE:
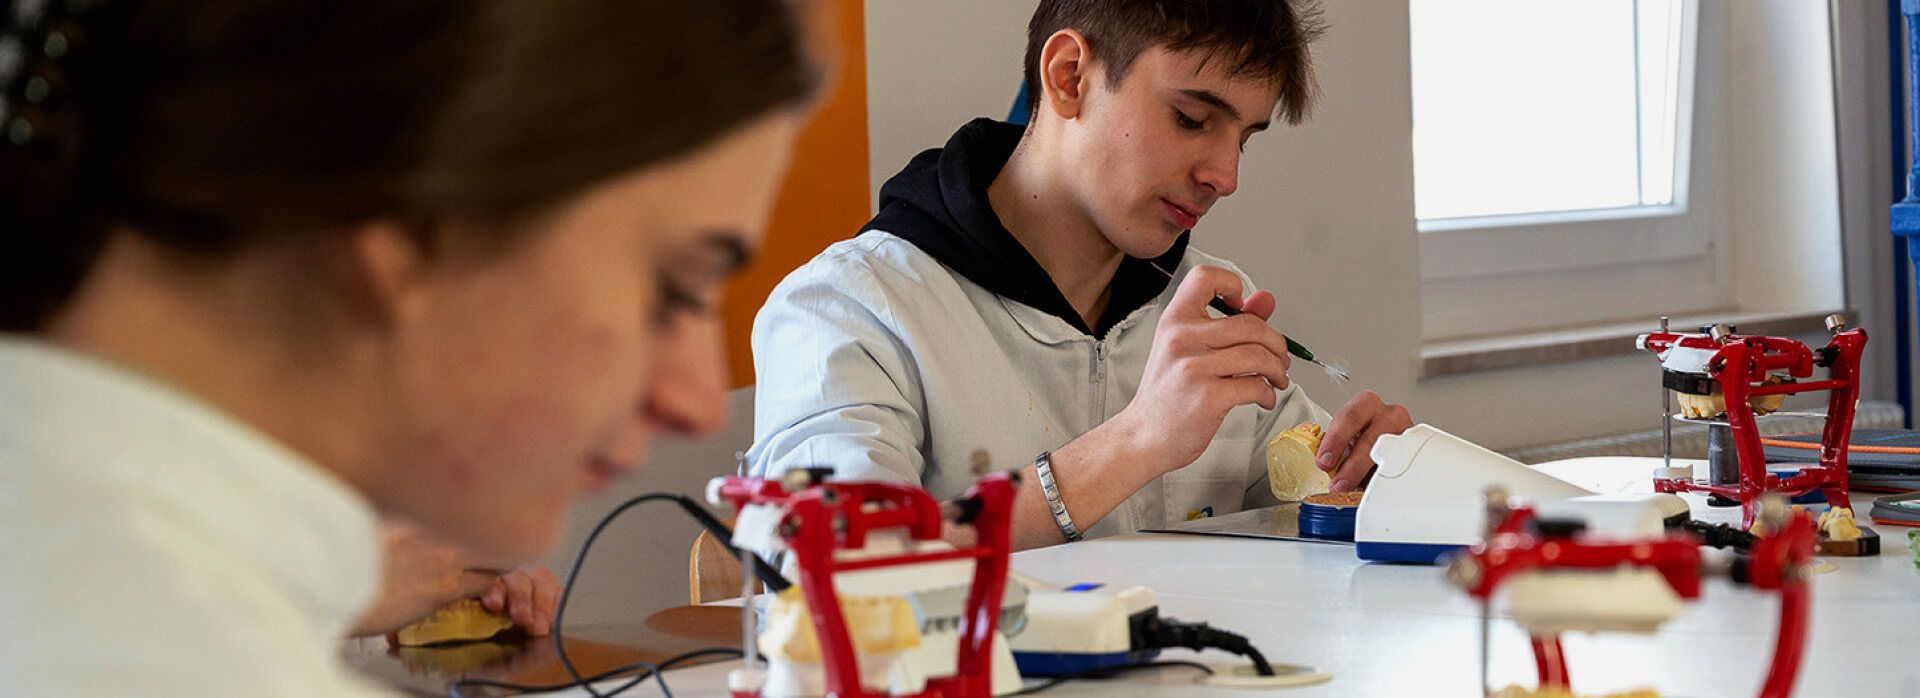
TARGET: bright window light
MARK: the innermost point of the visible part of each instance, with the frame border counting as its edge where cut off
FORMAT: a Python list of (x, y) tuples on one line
[(1538, 106)]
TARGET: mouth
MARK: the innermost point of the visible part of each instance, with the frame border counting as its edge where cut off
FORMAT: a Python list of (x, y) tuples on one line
[(1181, 215)]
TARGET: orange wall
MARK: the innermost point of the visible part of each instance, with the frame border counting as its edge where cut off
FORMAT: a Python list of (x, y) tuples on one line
[(824, 199)]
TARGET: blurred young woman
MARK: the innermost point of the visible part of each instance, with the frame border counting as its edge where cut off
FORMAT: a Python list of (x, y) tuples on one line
[(273, 266)]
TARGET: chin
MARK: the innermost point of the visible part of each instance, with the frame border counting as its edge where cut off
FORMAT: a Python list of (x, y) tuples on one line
[(1149, 241), (524, 545), (502, 539)]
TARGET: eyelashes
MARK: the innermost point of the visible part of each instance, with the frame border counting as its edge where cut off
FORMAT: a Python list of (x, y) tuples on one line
[(1196, 125), (675, 300), (691, 276)]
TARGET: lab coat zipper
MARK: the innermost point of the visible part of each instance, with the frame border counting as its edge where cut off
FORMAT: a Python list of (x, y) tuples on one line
[(1099, 379)]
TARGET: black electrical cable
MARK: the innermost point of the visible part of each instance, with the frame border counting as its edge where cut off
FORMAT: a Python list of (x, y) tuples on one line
[(1167, 632), (454, 690), (1108, 672), (458, 688), (767, 574), (1720, 535), (772, 579)]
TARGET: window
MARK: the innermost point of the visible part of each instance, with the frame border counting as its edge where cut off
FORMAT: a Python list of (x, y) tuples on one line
[(1531, 106), (1554, 163)]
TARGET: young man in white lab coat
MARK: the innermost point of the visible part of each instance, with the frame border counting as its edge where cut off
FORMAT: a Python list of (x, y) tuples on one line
[(1010, 296)]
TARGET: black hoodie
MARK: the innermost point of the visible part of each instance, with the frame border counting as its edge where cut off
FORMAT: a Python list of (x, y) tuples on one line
[(939, 203)]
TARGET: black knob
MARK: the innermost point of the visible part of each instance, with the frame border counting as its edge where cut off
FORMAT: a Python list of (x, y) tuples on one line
[(1559, 528)]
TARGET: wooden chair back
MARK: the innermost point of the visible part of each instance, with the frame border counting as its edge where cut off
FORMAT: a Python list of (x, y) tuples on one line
[(712, 573)]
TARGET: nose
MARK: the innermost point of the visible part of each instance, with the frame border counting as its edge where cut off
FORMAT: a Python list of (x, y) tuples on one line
[(688, 392), (1221, 171)]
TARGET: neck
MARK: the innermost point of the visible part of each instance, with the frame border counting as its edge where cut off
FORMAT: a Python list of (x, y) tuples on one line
[(1046, 220), (229, 337)]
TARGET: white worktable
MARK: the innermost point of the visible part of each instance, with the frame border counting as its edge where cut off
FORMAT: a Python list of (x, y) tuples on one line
[(1395, 630)]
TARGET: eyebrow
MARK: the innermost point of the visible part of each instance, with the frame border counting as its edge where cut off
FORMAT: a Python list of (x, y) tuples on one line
[(1218, 102)]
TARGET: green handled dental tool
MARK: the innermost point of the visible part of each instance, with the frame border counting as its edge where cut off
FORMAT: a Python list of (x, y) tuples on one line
[(1295, 348)]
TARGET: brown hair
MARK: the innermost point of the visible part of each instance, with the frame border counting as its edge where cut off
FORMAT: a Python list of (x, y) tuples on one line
[(1262, 39), (211, 124)]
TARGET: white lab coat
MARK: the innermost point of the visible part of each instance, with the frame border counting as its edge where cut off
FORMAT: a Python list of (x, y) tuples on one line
[(880, 362), (153, 546)]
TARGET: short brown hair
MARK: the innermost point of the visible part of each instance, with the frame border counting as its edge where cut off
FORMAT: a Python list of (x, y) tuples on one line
[(211, 124), (1263, 39)]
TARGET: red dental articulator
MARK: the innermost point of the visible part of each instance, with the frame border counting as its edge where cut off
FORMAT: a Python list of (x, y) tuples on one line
[(826, 518), (1522, 544), (1718, 362)]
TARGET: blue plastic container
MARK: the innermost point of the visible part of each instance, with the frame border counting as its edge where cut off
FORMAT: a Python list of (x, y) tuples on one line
[(1327, 521)]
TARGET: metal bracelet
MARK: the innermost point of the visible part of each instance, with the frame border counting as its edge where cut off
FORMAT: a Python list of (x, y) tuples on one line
[(1043, 467)]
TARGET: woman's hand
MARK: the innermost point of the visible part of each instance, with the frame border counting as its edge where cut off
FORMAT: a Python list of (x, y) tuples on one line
[(528, 595), (421, 574)]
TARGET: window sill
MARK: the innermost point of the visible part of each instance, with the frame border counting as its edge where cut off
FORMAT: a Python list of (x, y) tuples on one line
[(1477, 354)]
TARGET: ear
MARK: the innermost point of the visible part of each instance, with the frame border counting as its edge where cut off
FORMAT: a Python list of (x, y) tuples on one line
[(390, 261), (1065, 75)]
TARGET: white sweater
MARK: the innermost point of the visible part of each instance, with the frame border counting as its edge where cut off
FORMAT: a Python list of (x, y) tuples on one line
[(880, 362), (153, 546)]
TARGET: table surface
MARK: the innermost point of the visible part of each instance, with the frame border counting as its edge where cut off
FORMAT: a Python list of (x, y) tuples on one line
[(516, 658), (1399, 630)]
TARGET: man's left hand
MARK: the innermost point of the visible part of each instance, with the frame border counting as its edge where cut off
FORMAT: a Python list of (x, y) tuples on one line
[(1347, 451)]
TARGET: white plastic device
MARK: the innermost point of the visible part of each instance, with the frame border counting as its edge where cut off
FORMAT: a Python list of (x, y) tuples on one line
[(1428, 497), (1081, 627)]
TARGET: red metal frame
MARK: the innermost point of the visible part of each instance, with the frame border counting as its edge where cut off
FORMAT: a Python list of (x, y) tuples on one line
[(833, 516), (1778, 561), (1738, 363)]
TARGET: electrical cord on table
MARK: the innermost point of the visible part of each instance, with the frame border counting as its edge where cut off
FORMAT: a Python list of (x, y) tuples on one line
[(455, 690), (1108, 672), (1166, 632), (1158, 633), (767, 574)]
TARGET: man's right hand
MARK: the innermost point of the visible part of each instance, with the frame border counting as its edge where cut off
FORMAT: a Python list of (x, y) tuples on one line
[(1201, 367)]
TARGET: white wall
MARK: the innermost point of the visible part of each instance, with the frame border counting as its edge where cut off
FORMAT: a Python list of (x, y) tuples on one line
[(1324, 216), (1786, 198), (933, 64), (1864, 120)]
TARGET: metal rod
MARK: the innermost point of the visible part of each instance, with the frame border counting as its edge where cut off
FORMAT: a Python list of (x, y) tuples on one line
[(1666, 414), (748, 647), (1486, 626)]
